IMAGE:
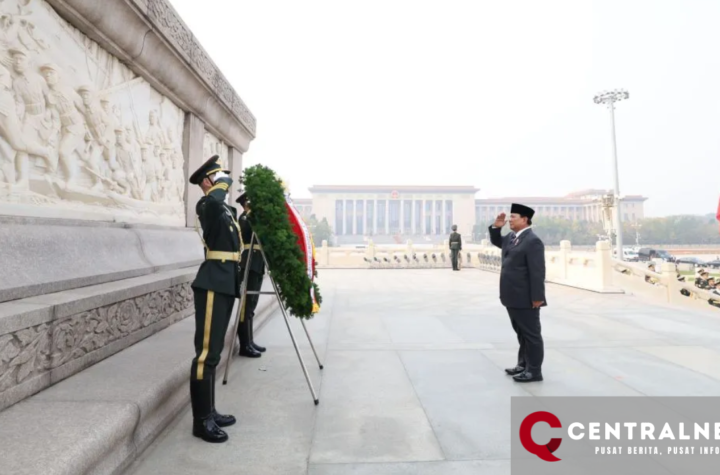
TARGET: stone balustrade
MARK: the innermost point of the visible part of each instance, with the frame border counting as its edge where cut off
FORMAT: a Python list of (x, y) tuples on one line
[(588, 270), (594, 270), (662, 286)]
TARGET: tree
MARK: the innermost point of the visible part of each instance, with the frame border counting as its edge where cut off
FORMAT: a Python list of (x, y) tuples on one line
[(320, 231)]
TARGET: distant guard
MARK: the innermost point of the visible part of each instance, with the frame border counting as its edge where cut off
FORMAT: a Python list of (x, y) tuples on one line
[(248, 347)]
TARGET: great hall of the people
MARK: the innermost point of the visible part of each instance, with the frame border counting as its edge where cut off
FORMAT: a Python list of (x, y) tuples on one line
[(424, 213)]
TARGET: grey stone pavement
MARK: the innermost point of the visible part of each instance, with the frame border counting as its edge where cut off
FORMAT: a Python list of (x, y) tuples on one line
[(414, 382)]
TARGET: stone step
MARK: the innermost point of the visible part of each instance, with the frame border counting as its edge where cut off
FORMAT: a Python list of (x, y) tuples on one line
[(100, 419)]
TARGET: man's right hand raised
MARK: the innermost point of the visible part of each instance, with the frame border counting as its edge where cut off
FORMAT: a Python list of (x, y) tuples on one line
[(500, 221)]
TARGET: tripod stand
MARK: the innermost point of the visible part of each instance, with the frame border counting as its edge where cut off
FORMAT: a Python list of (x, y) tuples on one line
[(240, 314)]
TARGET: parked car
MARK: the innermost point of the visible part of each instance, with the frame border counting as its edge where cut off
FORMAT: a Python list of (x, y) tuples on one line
[(648, 254), (691, 260), (714, 264)]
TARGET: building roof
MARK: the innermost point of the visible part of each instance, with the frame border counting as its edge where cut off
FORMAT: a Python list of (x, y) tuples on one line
[(391, 188), (578, 197)]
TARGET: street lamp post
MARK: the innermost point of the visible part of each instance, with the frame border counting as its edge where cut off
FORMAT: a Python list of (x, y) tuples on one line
[(609, 98)]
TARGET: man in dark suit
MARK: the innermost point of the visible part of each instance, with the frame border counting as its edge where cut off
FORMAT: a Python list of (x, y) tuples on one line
[(455, 243), (522, 288)]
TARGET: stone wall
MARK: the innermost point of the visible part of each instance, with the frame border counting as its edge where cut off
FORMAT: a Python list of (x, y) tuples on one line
[(47, 338), (106, 108)]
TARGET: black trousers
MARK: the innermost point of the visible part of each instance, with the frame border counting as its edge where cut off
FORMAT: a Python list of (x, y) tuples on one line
[(245, 329), (212, 317), (454, 257), (526, 323)]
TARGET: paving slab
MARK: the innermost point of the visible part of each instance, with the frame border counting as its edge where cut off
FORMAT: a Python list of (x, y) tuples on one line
[(414, 382)]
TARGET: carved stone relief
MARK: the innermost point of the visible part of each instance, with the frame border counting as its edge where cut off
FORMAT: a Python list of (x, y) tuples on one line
[(42, 348), (79, 131), (214, 146)]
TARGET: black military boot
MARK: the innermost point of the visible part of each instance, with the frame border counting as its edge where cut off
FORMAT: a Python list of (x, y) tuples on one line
[(246, 348), (220, 419), (254, 345), (204, 425)]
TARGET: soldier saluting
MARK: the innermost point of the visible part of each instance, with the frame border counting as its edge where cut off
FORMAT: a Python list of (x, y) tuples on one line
[(215, 288), (255, 278)]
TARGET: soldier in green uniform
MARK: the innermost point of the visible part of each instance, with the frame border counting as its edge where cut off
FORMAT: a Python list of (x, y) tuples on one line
[(455, 244), (255, 278), (216, 287)]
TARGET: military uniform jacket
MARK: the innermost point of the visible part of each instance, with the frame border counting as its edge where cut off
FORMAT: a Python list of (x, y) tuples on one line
[(455, 237), (256, 263), (522, 275), (220, 233)]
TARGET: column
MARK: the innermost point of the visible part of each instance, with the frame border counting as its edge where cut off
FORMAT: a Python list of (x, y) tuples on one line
[(375, 216), (412, 216), (192, 148), (387, 217), (354, 215), (402, 215), (235, 164)]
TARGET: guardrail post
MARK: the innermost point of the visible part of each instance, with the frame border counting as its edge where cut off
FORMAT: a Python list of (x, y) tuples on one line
[(565, 250), (603, 259)]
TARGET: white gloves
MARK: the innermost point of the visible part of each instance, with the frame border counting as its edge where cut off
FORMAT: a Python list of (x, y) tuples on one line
[(219, 175)]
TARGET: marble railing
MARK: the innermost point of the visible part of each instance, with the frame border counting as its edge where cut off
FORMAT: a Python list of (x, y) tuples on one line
[(663, 286), (588, 270), (591, 270)]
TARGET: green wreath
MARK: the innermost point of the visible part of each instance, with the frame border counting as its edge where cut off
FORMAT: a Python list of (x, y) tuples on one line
[(270, 220)]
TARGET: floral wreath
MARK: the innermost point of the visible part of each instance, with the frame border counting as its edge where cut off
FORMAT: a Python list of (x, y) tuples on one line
[(271, 221)]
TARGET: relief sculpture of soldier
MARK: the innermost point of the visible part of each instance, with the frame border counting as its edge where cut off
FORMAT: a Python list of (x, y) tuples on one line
[(66, 106)]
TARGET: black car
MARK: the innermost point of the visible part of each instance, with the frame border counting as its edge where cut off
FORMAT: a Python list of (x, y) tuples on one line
[(691, 260), (648, 254), (714, 264)]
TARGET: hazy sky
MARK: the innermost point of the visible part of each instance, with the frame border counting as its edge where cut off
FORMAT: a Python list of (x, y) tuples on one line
[(493, 94)]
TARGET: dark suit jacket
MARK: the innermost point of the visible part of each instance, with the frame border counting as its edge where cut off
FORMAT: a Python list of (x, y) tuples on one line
[(220, 233), (455, 237), (522, 276)]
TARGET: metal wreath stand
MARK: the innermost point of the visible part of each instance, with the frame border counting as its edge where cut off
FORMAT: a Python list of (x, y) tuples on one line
[(243, 295)]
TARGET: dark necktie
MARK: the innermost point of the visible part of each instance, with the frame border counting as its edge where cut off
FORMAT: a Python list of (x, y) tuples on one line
[(514, 239)]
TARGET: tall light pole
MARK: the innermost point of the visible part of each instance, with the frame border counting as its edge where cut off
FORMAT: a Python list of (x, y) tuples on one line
[(609, 98)]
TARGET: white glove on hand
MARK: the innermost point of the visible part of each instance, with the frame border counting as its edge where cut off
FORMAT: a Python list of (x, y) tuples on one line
[(219, 175)]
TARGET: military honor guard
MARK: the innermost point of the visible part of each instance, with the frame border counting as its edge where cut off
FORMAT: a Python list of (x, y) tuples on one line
[(522, 288), (215, 288), (248, 347), (455, 243)]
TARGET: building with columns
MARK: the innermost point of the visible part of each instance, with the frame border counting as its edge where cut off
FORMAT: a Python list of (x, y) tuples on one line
[(585, 205), (392, 213), (426, 213)]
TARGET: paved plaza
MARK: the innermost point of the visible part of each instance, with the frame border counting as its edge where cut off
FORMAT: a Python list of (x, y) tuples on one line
[(414, 382)]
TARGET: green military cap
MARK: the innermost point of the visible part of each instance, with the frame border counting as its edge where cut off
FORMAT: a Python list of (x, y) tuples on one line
[(242, 197), (208, 168)]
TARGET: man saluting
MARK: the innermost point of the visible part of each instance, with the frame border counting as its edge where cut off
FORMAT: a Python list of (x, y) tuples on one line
[(215, 288), (522, 288)]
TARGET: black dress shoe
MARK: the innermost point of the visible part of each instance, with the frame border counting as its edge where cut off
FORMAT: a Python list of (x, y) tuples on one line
[(528, 377), (257, 347), (250, 352), (515, 370), (208, 430), (223, 420)]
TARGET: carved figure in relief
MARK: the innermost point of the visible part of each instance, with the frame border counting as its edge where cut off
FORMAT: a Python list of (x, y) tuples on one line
[(31, 94), (74, 131), (11, 131), (66, 106)]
